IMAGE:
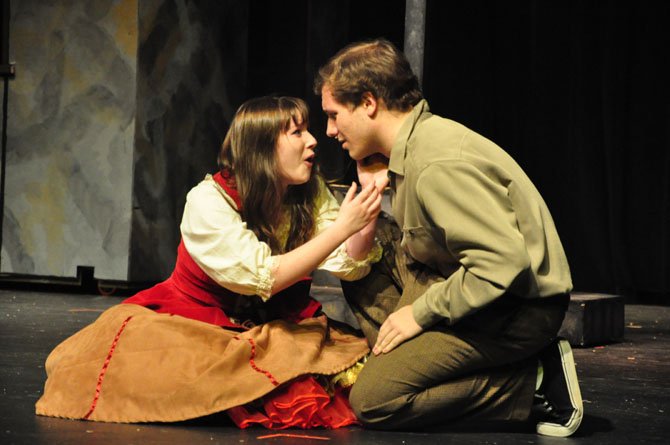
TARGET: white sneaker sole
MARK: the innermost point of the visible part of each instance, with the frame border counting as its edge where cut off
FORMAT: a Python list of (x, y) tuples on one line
[(570, 372)]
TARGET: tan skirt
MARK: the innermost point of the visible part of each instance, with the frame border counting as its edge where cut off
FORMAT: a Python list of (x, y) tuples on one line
[(135, 365)]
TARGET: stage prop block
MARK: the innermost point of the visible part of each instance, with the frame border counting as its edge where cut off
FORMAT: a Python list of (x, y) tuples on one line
[(593, 319)]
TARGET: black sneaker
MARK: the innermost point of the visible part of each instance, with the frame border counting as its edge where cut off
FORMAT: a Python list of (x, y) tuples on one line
[(558, 403)]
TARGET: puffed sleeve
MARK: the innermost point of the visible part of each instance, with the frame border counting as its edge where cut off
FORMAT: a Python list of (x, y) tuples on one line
[(479, 224), (221, 244), (339, 263)]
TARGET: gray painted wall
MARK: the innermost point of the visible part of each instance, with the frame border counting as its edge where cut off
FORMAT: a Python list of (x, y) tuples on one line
[(71, 125), (117, 109)]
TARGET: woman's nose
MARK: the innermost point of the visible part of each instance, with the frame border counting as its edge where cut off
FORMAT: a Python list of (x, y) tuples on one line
[(310, 140)]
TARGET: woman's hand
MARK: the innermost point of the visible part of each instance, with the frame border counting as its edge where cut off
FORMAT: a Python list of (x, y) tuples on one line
[(357, 211), (372, 173), (355, 225)]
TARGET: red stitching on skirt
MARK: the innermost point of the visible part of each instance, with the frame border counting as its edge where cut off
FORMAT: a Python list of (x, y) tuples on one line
[(268, 374), (105, 365)]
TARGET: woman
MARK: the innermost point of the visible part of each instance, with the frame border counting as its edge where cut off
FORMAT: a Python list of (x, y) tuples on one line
[(234, 327)]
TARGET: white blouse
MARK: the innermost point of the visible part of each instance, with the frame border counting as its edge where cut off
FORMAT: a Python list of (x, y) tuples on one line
[(228, 252)]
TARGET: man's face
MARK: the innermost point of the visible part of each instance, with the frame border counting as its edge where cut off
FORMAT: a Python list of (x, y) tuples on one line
[(351, 126)]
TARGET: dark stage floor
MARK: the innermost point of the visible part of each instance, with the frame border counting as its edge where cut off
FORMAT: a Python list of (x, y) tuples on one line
[(625, 386)]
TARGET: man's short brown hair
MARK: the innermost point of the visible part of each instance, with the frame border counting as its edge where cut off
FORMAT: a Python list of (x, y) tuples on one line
[(374, 66)]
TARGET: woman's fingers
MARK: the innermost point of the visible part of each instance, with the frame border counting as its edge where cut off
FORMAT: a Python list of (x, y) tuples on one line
[(351, 193), (360, 209), (372, 204), (366, 192), (382, 183), (374, 196)]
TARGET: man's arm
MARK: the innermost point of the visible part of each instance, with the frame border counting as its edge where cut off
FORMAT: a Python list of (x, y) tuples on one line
[(479, 225)]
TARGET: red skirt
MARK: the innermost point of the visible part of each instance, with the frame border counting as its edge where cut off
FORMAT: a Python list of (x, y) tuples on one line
[(302, 403)]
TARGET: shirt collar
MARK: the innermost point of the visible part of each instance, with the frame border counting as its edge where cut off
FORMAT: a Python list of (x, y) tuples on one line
[(399, 148)]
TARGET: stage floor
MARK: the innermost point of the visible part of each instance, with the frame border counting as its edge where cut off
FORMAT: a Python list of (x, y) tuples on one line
[(625, 386)]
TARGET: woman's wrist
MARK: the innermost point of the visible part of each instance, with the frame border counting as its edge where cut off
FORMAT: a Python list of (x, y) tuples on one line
[(341, 230), (360, 243)]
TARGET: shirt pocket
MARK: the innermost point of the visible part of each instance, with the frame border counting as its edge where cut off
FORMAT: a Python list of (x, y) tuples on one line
[(419, 243)]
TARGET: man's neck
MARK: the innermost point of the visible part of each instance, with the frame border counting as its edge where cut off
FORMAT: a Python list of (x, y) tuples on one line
[(389, 125)]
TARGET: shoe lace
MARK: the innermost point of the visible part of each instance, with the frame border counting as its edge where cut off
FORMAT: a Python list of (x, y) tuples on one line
[(545, 405)]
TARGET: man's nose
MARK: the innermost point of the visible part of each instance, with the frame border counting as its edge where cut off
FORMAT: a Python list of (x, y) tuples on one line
[(331, 129)]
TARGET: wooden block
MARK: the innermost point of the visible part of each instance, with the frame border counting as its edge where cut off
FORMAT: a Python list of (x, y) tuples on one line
[(593, 319)]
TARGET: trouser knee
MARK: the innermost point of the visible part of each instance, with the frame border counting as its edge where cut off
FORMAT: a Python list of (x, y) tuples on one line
[(372, 406)]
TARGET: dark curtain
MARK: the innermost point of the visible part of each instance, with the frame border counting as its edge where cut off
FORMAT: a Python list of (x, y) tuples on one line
[(290, 40), (578, 92)]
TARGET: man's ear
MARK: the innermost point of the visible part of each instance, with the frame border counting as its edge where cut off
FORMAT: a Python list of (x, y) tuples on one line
[(369, 103)]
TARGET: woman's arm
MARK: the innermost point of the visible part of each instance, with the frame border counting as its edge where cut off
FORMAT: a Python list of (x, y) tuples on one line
[(230, 253), (371, 170), (356, 212)]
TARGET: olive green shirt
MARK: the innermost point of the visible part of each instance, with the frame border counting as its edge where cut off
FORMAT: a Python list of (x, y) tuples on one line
[(468, 211)]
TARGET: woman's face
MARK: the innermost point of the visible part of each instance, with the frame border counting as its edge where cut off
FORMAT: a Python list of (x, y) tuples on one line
[(295, 154)]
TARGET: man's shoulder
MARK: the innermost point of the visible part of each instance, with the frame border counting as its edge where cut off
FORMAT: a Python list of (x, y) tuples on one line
[(436, 138), (438, 128)]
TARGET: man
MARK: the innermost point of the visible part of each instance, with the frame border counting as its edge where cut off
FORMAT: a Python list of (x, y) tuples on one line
[(463, 311)]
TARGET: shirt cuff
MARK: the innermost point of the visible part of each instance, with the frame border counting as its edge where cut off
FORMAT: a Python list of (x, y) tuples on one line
[(266, 279), (423, 315), (356, 269), (374, 255)]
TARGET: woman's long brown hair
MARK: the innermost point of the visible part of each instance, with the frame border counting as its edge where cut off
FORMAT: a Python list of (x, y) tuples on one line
[(249, 153)]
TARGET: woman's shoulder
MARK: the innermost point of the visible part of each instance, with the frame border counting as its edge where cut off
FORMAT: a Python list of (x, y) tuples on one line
[(208, 193), (323, 189)]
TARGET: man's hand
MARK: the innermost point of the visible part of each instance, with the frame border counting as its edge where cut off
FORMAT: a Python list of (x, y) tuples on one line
[(374, 168), (398, 327)]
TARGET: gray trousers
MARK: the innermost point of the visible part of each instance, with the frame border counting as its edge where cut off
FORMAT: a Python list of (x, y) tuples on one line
[(483, 368)]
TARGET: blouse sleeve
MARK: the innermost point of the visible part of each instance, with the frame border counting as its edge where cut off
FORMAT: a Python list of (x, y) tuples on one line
[(339, 263), (221, 244)]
